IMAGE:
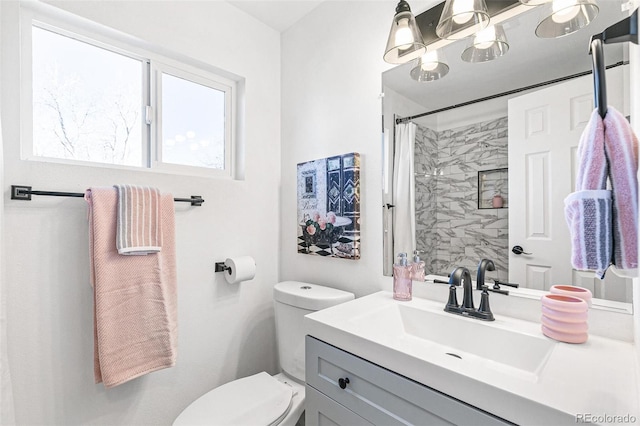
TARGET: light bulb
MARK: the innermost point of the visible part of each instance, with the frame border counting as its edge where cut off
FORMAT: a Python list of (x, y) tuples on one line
[(462, 11), (484, 39), (564, 10), (429, 66), (429, 61), (404, 38)]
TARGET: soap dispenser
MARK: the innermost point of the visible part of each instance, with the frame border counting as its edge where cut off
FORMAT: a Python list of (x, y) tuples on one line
[(417, 267), (402, 284)]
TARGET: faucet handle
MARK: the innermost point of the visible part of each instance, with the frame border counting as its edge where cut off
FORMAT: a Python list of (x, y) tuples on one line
[(499, 283), (452, 303), (484, 309)]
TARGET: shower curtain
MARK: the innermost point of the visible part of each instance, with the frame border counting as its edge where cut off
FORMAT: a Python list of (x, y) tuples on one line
[(404, 223)]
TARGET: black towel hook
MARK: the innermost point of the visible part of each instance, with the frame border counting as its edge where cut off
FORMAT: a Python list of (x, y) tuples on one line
[(625, 30), (599, 77)]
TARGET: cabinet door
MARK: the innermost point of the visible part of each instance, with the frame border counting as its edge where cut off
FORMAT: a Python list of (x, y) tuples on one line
[(381, 396), (322, 411)]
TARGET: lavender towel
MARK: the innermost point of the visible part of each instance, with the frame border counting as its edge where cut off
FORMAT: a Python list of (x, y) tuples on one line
[(588, 210), (603, 223), (621, 147), (588, 214), (139, 231)]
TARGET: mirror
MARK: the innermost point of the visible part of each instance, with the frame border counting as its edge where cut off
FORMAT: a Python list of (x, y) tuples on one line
[(465, 181)]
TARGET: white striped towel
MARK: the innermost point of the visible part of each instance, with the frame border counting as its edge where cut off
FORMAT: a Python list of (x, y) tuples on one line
[(138, 223), (588, 214)]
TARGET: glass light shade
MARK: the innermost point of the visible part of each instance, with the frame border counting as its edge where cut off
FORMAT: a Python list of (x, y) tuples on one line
[(566, 17), (405, 41), (487, 45), (430, 67), (462, 18), (534, 2)]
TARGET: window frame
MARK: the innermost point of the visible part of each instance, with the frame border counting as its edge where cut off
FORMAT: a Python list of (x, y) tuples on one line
[(201, 77), (95, 34)]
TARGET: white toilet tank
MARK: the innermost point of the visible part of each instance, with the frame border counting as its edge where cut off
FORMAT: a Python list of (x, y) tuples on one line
[(293, 300)]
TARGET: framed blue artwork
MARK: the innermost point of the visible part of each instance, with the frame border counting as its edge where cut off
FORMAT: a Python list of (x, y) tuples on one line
[(329, 206)]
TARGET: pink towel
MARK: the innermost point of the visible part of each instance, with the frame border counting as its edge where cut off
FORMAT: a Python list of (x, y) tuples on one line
[(135, 297), (592, 162), (621, 146), (139, 231), (588, 210)]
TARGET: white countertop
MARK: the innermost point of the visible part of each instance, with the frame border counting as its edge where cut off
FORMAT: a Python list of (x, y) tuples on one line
[(597, 378)]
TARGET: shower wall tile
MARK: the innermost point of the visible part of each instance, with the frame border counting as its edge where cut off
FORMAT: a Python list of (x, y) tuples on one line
[(425, 163), (451, 231)]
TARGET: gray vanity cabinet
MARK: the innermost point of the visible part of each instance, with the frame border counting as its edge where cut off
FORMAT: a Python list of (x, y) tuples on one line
[(343, 389)]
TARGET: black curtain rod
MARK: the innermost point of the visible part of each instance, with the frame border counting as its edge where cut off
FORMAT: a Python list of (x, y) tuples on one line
[(510, 92), (21, 192)]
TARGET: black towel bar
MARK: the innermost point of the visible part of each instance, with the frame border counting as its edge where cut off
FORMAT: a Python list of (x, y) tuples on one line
[(22, 192)]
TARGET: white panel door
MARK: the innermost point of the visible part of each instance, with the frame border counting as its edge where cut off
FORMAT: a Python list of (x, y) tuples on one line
[(544, 131)]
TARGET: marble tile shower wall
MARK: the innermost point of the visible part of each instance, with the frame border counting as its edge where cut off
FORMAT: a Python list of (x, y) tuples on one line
[(451, 230), (425, 162)]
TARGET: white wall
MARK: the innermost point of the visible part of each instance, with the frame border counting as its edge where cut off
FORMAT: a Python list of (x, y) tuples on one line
[(225, 331), (331, 67)]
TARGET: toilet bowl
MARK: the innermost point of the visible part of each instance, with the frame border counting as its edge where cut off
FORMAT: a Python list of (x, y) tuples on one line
[(262, 399)]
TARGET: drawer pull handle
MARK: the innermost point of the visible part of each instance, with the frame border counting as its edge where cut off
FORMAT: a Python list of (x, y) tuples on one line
[(343, 382)]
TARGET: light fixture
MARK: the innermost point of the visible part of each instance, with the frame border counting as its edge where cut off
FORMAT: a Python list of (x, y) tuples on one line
[(487, 45), (534, 2), (566, 17), (405, 41), (461, 18), (430, 67)]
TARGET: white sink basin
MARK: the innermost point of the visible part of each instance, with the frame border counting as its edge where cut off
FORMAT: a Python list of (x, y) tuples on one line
[(462, 336), (423, 328)]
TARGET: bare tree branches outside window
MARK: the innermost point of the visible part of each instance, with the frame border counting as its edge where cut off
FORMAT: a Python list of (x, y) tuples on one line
[(88, 106), (86, 102)]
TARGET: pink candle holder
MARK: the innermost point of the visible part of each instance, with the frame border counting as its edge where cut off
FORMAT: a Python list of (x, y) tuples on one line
[(571, 290), (564, 318)]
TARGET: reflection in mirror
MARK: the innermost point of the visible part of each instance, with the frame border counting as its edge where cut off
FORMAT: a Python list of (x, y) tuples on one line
[(492, 175)]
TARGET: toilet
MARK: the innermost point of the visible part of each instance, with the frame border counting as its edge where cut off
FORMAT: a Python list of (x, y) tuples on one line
[(263, 399)]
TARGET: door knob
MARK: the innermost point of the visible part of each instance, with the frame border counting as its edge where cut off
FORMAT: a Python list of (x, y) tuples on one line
[(519, 250), (343, 382)]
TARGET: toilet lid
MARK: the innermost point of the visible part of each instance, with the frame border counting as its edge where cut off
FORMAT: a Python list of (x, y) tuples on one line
[(255, 400)]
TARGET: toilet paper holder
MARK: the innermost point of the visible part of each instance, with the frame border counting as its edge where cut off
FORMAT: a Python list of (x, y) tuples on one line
[(239, 269), (221, 267)]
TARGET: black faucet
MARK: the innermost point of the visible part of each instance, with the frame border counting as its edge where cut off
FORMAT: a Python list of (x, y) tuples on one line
[(483, 266), (461, 275)]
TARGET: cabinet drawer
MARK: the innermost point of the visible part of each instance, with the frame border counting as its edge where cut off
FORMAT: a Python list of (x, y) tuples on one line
[(381, 396), (322, 411)]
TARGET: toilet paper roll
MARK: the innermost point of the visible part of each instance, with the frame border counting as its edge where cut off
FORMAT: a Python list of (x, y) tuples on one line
[(242, 268)]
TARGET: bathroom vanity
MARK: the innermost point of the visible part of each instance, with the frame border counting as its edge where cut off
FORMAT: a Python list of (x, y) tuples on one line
[(350, 390), (378, 361)]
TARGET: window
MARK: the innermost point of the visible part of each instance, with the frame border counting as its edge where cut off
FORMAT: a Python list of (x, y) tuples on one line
[(194, 124), (94, 102), (87, 101)]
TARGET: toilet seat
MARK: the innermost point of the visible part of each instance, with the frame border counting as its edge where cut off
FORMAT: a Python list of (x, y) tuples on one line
[(255, 400)]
